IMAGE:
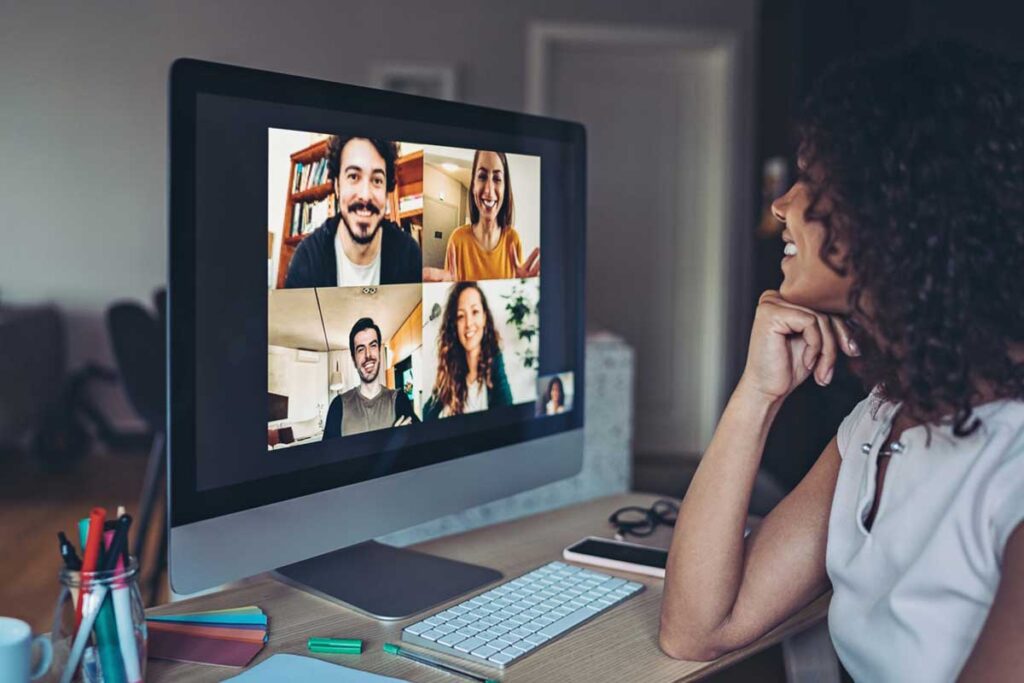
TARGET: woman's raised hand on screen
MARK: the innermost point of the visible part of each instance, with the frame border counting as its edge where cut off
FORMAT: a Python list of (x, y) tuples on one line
[(531, 268)]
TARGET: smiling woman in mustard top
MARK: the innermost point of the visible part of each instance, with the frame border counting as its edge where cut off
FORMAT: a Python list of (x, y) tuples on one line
[(487, 248)]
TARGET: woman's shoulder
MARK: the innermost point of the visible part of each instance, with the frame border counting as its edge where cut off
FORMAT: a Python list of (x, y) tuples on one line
[(872, 409), (511, 234), (462, 233)]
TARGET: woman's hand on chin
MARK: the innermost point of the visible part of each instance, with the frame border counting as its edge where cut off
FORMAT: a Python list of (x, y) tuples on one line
[(789, 343)]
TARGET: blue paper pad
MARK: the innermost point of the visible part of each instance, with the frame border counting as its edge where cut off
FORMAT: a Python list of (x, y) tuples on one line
[(298, 669)]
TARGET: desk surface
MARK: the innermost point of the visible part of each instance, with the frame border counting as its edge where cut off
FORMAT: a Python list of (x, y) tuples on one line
[(621, 645)]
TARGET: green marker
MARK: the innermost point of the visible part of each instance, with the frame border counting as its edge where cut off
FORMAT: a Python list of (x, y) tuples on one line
[(393, 649), (335, 646)]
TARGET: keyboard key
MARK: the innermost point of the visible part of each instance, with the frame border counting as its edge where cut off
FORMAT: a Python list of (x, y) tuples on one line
[(417, 629), (516, 650), (567, 622), (431, 634), (501, 658), (451, 639), (445, 628), (520, 633), (505, 641), (536, 638), (434, 620), (470, 644), (484, 651)]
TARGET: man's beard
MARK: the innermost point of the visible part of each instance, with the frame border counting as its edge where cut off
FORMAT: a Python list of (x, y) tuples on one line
[(373, 377), (357, 237)]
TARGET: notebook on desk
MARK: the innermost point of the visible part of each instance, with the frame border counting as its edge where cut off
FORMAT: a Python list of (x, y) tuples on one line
[(298, 669)]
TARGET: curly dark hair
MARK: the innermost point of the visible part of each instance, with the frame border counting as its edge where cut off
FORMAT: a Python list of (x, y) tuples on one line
[(387, 149), (915, 160), (450, 388)]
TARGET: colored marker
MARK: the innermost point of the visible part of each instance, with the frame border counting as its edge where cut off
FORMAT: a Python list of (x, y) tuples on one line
[(68, 554), (93, 549), (122, 602), (393, 649), (82, 637), (106, 628), (335, 646)]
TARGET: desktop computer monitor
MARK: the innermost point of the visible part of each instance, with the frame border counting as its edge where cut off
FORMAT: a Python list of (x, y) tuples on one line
[(376, 319)]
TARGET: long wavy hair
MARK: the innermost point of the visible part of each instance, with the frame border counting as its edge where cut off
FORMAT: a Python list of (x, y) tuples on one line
[(915, 160), (450, 388)]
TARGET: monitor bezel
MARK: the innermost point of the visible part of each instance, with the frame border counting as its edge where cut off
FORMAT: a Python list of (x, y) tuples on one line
[(188, 79)]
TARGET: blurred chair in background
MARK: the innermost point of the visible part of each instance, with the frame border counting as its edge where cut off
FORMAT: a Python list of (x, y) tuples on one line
[(34, 369), (137, 336)]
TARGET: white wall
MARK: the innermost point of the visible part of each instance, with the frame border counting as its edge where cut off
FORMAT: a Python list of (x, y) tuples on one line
[(304, 383), (524, 171), (83, 111)]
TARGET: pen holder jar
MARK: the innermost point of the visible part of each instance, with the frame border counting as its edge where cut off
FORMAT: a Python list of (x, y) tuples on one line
[(99, 627)]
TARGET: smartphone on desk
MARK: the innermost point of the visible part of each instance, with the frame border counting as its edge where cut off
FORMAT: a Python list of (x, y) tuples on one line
[(619, 555)]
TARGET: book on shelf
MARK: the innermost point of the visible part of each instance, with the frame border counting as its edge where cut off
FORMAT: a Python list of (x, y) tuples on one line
[(412, 202), (308, 216), (309, 175)]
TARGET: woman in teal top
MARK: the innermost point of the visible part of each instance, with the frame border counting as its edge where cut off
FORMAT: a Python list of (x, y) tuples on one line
[(470, 373)]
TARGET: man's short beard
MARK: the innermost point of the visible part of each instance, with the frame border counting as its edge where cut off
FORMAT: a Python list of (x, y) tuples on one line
[(359, 239), (369, 380)]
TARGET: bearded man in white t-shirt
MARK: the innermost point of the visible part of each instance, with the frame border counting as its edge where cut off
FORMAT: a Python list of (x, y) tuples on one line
[(358, 246)]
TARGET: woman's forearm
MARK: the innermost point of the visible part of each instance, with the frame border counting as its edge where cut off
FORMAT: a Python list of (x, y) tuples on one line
[(705, 565)]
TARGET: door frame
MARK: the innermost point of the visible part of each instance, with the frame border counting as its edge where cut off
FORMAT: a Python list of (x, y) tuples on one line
[(726, 318)]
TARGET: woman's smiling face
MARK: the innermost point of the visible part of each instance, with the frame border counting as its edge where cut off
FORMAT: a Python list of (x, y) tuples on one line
[(809, 281), (489, 185), (470, 319)]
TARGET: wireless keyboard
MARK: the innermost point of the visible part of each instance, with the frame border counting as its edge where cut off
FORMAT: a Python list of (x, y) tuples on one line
[(506, 623)]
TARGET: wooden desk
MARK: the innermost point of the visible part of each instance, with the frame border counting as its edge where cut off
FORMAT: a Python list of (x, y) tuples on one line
[(621, 645)]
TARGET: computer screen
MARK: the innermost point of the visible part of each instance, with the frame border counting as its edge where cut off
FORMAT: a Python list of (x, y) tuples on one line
[(362, 284)]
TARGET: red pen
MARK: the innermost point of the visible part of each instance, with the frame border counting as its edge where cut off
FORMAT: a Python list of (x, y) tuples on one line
[(93, 546)]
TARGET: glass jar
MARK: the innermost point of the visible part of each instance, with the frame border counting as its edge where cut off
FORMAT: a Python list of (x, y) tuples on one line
[(113, 649)]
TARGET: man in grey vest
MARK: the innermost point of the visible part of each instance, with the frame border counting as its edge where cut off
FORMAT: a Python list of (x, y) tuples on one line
[(371, 405)]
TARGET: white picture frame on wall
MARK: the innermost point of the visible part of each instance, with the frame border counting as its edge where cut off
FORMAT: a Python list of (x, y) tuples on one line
[(427, 80)]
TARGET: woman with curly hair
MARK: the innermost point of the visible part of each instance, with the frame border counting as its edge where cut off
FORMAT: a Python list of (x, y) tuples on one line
[(471, 372), (903, 249)]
